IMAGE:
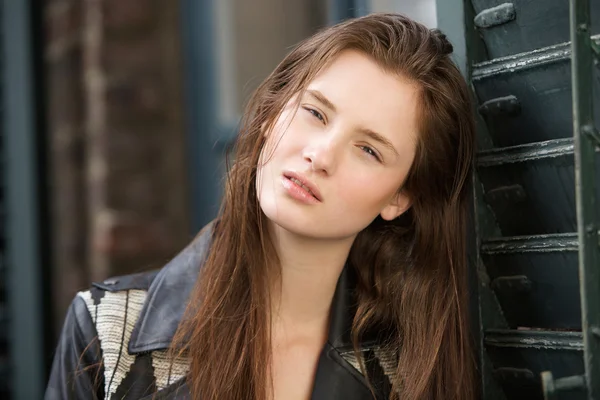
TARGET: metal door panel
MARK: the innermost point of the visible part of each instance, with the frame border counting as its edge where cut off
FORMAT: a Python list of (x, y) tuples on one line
[(537, 289), (532, 197), (22, 355), (536, 24), (541, 91), (532, 249), (535, 360)]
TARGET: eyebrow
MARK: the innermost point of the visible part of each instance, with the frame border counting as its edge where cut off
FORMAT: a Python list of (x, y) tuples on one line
[(380, 139), (373, 135), (321, 98)]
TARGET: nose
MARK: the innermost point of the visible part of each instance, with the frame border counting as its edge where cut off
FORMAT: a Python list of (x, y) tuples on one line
[(321, 155)]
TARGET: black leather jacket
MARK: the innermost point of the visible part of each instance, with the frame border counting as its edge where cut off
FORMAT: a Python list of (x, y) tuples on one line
[(83, 355)]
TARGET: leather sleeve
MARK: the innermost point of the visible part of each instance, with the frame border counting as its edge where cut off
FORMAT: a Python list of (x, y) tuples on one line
[(77, 371)]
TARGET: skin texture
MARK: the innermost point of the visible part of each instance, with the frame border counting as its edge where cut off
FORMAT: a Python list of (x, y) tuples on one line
[(358, 178)]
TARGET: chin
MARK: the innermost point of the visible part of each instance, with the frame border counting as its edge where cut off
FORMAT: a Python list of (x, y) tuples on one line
[(283, 216), (306, 225)]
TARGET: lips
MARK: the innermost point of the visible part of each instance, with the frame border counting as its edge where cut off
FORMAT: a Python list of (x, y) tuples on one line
[(304, 183), (303, 186)]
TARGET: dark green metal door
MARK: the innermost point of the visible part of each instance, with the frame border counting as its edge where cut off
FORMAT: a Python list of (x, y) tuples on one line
[(536, 218), (4, 377), (22, 358)]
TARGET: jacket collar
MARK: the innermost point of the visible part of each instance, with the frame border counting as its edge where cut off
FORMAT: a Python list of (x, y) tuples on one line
[(167, 297), (166, 303)]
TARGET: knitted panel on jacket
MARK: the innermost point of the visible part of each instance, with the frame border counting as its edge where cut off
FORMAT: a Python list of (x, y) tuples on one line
[(115, 315)]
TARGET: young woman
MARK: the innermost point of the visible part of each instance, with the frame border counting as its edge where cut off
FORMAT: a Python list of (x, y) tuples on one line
[(336, 268)]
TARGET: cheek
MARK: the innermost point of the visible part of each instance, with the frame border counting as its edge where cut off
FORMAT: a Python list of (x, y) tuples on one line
[(264, 170), (276, 146), (270, 165), (279, 131), (368, 192)]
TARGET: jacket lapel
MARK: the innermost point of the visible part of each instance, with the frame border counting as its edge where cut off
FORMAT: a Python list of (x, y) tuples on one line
[(336, 378)]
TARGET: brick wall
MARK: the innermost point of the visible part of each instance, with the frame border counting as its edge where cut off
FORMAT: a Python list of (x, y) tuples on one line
[(117, 146)]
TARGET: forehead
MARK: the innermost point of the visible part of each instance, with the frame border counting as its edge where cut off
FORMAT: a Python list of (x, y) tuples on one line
[(368, 95)]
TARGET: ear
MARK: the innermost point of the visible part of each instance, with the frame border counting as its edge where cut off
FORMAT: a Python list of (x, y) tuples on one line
[(396, 207)]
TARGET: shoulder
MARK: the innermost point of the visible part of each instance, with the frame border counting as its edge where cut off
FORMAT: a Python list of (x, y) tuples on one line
[(116, 307), (115, 296), (138, 281), (92, 335), (123, 327)]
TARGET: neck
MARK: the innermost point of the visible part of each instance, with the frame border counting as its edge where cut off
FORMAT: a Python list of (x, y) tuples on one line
[(310, 269)]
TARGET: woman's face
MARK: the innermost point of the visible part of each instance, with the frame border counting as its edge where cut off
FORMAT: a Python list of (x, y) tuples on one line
[(332, 165)]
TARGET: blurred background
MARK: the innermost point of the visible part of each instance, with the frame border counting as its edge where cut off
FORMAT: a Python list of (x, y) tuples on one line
[(116, 115)]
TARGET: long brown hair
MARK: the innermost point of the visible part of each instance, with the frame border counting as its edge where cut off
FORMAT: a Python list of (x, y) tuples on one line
[(416, 263)]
